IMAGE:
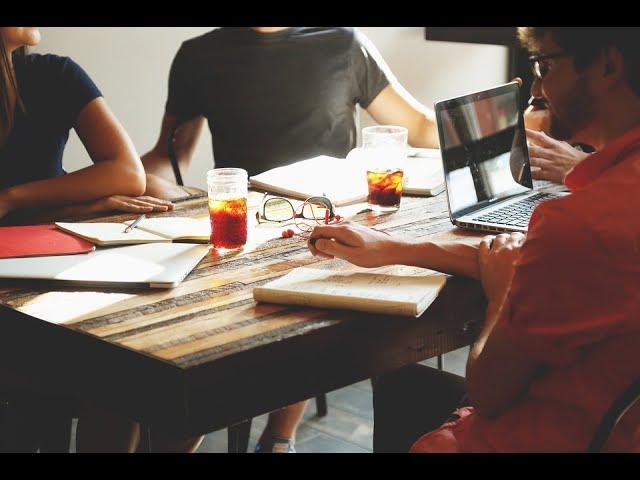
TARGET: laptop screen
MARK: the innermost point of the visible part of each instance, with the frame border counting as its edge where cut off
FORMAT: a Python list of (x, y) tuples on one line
[(484, 148)]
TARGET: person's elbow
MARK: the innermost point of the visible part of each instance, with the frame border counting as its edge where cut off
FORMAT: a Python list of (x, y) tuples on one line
[(426, 132), (137, 182), (132, 179)]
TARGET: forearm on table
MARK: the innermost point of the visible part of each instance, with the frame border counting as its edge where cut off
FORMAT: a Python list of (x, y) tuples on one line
[(109, 177), (455, 258)]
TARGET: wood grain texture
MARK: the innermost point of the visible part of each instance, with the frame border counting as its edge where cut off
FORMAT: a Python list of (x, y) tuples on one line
[(224, 356)]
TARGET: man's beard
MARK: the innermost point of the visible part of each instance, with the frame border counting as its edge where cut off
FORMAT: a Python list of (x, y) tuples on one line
[(575, 111), (556, 129)]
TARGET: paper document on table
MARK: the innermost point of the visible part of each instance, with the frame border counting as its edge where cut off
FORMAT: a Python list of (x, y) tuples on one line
[(423, 172), (342, 181), (395, 290)]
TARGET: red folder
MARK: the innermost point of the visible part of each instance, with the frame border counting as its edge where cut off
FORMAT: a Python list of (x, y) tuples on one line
[(38, 240)]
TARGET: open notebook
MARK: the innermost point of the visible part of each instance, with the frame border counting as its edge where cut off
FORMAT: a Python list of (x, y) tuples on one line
[(396, 290), (344, 181), (149, 230)]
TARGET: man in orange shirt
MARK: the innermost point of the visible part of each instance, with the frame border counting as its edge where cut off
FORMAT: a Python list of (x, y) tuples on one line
[(562, 329)]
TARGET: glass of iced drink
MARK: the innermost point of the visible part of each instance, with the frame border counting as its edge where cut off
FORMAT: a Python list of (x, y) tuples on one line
[(228, 207), (385, 147), (385, 189)]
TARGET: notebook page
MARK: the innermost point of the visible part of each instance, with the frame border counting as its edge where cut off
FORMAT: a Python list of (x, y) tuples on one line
[(177, 227), (109, 233)]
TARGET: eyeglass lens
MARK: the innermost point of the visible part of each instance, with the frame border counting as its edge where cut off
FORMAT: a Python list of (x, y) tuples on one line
[(540, 68), (315, 209), (278, 210)]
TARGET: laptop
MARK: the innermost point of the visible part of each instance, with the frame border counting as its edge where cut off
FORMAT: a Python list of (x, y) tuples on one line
[(486, 161), (149, 265)]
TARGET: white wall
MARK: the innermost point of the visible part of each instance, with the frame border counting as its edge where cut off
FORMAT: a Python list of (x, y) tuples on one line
[(131, 67)]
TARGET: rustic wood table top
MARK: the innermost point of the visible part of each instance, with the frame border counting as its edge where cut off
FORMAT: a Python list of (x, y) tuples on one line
[(204, 355)]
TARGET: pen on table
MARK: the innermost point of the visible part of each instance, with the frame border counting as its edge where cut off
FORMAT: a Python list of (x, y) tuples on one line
[(134, 224)]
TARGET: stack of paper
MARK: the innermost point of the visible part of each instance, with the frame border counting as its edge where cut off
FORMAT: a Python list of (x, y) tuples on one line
[(344, 181)]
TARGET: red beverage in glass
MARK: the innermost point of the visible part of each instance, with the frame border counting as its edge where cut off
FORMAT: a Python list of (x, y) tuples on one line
[(385, 188), (228, 222)]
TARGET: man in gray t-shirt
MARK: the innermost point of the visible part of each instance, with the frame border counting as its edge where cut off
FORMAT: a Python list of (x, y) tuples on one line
[(273, 96)]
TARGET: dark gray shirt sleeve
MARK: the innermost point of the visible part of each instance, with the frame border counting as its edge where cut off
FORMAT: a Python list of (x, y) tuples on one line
[(182, 102), (368, 73)]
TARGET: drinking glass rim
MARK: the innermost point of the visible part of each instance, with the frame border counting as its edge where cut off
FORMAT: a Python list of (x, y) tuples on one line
[(389, 129), (222, 172)]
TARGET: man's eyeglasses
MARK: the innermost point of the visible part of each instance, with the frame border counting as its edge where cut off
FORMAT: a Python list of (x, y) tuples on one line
[(540, 64), (278, 209)]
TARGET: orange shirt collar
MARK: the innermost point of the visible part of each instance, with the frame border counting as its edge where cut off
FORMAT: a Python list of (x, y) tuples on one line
[(595, 164)]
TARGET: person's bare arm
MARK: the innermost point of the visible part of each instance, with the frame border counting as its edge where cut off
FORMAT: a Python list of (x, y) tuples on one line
[(117, 169), (161, 180), (395, 106), (112, 204), (366, 247)]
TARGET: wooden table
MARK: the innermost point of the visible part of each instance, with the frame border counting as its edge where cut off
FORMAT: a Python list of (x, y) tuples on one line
[(204, 355)]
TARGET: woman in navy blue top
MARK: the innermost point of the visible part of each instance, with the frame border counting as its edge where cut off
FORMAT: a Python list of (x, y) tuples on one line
[(42, 97)]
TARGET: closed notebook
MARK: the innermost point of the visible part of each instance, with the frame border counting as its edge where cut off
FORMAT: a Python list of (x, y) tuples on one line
[(148, 230), (397, 290), (39, 240), (423, 173), (344, 181)]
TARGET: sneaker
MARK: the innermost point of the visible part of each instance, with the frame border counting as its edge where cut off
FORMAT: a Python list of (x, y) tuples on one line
[(276, 445)]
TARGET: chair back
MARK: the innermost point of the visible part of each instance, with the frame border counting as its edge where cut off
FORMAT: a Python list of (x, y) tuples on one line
[(614, 414), (172, 153)]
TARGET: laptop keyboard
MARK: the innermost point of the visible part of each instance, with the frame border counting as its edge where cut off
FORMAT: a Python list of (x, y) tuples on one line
[(516, 214)]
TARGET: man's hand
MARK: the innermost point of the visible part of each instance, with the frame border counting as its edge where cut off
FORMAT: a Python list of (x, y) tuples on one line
[(355, 243), (551, 159), (122, 203), (496, 258)]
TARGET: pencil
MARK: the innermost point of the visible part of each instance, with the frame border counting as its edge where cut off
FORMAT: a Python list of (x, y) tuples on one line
[(134, 224)]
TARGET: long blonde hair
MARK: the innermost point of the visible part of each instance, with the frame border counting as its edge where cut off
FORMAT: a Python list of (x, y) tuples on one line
[(8, 90)]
